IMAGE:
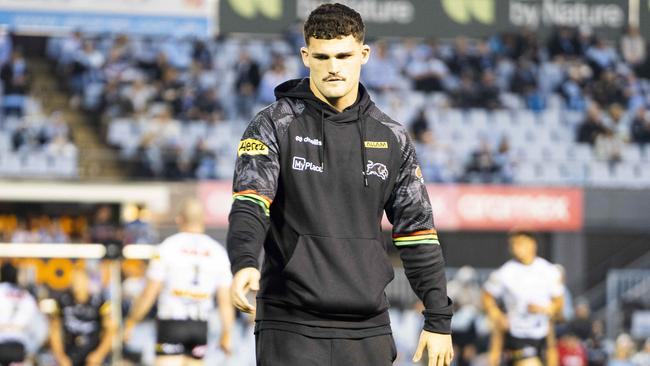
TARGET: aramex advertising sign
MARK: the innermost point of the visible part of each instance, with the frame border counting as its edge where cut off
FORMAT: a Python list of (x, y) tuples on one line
[(461, 207), (438, 18)]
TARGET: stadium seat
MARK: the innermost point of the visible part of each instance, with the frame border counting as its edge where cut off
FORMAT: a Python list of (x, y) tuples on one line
[(551, 173), (625, 174), (600, 174), (581, 153), (526, 173), (632, 153)]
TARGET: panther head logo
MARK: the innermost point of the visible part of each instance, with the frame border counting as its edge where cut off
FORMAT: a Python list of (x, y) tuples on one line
[(377, 169)]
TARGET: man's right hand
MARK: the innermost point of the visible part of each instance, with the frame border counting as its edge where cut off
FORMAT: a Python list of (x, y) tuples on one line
[(63, 360), (245, 280)]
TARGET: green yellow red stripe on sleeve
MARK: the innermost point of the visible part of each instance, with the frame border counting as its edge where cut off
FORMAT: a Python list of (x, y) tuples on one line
[(417, 237), (254, 197)]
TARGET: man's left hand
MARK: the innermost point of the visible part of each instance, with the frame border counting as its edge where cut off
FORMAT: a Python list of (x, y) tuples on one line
[(439, 348)]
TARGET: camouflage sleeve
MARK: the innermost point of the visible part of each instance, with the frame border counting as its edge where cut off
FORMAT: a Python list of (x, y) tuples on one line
[(254, 187), (409, 210)]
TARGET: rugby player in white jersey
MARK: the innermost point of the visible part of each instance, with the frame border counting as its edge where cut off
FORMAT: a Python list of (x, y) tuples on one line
[(531, 290), (187, 272), (18, 309)]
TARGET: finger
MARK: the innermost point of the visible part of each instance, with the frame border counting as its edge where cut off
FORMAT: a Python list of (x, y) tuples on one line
[(433, 358), (241, 302), (419, 350), (449, 355)]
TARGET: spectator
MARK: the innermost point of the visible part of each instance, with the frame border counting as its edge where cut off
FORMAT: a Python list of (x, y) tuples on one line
[(572, 88), (640, 128), (642, 357), (488, 93), (272, 78), (608, 89), (461, 60), (5, 46), (419, 126), (467, 95), (14, 76), (427, 72), (138, 95), (608, 147), (484, 60), (601, 56), (103, 229), (23, 234), (592, 126), (619, 122), (140, 231), (571, 352), (623, 351), (482, 167), (562, 43), (247, 80), (201, 53), (525, 76), (505, 161), (381, 73), (582, 324), (633, 47)]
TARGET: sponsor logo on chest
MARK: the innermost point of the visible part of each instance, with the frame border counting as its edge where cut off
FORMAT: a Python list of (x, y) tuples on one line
[(309, 140), (302, 164), (377, 169)]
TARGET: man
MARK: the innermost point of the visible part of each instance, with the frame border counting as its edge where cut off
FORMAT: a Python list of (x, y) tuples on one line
[(315, 171), (18, 309), (531, 289), (189, 269), (82, 329)]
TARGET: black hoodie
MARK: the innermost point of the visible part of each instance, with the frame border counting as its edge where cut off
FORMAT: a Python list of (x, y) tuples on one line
[(311, 184)]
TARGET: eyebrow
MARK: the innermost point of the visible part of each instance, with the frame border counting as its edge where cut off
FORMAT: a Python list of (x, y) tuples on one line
[(340, 54)]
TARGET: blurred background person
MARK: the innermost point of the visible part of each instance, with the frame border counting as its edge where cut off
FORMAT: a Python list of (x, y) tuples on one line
[(18, 309), (82, 329), (189, 269), (531, 290)]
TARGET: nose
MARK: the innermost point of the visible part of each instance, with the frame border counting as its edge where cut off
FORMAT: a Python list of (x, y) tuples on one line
[(333, 66)]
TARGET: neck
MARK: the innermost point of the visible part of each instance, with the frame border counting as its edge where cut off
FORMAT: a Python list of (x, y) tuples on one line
[(337, 103), (193, 228), (526, 261)]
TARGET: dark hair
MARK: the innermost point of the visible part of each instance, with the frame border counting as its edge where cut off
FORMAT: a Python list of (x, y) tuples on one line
[(520, 232), (8, 273), (330, 21)]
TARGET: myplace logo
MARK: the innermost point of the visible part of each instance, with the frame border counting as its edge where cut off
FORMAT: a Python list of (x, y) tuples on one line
[(250, 9), (302, 164), (462, 11)]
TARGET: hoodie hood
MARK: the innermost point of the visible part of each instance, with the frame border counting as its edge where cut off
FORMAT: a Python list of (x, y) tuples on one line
[(299, 89)]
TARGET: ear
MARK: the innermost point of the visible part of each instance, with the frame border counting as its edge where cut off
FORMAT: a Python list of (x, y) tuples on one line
[(365, 54), (304, 54)]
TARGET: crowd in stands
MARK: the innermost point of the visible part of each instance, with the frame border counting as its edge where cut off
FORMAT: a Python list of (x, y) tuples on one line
[(175, 106), (32, 143), (101, 226)]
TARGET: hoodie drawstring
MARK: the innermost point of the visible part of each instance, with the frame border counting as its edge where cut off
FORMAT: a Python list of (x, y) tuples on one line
[(364, 157), (321, 155)]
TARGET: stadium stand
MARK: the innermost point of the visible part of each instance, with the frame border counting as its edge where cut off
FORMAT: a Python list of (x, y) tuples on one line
[(515, 109)]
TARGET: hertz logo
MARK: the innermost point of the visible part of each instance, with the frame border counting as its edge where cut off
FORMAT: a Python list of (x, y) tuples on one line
[(462, 11), (251, 8), (252, 147)]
